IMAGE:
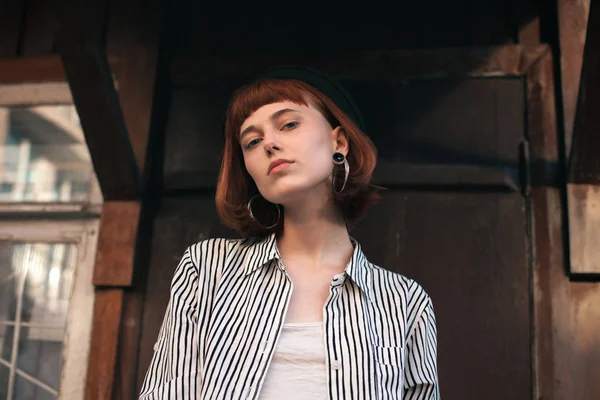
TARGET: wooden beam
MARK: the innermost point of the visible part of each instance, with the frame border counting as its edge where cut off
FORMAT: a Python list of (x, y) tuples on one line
[(572, 27), (105, 338), (583, 187), (544, 153), (35, 69), (31, 69), (133, 33), (547, 275), (116, 243), (585, 155), (584, 228), (508, 60), (79, 31)]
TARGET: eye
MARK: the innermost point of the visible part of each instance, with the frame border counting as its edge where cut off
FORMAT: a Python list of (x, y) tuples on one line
[(290, 125), (251, 144)]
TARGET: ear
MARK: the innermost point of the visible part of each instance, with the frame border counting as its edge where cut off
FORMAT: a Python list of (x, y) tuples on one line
[(340, 140)]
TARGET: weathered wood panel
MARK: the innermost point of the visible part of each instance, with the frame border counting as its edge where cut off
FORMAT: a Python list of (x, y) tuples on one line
[(31, 69), (469, 252), (105, 338), (585, 341), (116, 243), (572, 25), (584, 228), (38, 69), (550, 323), (566, 313)]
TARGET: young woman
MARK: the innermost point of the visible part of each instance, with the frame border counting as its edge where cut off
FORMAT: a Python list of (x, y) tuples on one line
[(294, 310)]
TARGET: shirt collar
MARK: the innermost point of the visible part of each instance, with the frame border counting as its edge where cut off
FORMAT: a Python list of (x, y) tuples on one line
[(259, 251)]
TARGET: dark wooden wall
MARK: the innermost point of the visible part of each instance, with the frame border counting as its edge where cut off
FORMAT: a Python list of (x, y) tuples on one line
[(569, 314)]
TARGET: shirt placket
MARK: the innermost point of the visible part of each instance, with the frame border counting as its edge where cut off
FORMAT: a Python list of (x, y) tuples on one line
[(270, 343), (331, 324)]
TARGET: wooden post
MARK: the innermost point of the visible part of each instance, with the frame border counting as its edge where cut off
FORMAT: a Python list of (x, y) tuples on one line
[(116, 126), (583, 187)]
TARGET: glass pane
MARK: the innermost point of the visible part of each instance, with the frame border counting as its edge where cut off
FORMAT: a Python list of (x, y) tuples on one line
[(43, 155), (6, 342), (50, 273), (40, 352), (9, 272), (41, 277), (25, 390), (4, 375)]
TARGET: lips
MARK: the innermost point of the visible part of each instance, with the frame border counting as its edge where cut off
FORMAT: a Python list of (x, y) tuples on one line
[(277, 163)]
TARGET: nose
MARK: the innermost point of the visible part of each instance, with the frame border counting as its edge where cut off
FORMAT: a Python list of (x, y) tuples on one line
[(271, 144), (271, 148)]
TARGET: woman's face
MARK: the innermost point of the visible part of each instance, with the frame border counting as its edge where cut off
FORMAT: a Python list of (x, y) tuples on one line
[(298, 135)]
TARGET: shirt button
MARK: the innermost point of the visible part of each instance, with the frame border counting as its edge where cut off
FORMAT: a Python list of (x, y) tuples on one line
[(335, 364), (265, 346), (246, 393), (156, 346)]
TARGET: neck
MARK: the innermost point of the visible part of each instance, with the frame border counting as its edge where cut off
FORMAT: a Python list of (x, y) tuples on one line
[(315, 236)]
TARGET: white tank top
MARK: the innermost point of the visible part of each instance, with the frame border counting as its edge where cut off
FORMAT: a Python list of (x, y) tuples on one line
[(297, 370)]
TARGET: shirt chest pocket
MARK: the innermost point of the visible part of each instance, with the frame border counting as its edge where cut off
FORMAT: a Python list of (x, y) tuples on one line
[(390, 355), (390, 363)]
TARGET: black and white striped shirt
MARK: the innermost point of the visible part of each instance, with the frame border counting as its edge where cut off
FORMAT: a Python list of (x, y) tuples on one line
[(228, 303)]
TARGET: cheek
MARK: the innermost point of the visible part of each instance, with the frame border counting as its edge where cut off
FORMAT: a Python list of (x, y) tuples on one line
[(252, 167)]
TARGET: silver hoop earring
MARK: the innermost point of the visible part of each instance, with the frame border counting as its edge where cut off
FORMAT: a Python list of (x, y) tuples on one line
[(249, 208), (339, 159)]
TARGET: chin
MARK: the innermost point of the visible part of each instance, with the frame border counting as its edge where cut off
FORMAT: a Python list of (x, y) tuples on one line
[(282, 197), (290, 192)]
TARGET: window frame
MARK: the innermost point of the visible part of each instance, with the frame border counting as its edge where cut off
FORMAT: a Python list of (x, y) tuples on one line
[(39, 81), (76, 345)]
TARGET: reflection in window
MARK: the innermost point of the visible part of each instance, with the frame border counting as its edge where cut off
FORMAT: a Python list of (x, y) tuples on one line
[(36, 280), (44, 157)]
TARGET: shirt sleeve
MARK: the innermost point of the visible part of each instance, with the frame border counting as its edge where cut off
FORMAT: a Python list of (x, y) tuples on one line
[(173, 371), (420, 372)]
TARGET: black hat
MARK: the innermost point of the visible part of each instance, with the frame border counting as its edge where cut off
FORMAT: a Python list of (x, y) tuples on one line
[(325, 84)]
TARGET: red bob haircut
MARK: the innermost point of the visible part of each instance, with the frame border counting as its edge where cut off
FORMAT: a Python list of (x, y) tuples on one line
[(235, 187)]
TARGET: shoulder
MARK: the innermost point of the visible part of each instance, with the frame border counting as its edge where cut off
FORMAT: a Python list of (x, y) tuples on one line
[(405, 293), (397, 282), (212, 249), (222, 252)]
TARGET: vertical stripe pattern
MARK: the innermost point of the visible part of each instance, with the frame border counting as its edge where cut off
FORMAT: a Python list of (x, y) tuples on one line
[(228, 302)]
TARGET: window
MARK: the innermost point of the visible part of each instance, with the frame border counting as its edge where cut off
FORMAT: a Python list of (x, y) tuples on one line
[(43, 154), (49, 205)]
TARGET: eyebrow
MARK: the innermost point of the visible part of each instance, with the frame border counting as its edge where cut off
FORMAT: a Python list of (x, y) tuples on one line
[(273, 117)]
